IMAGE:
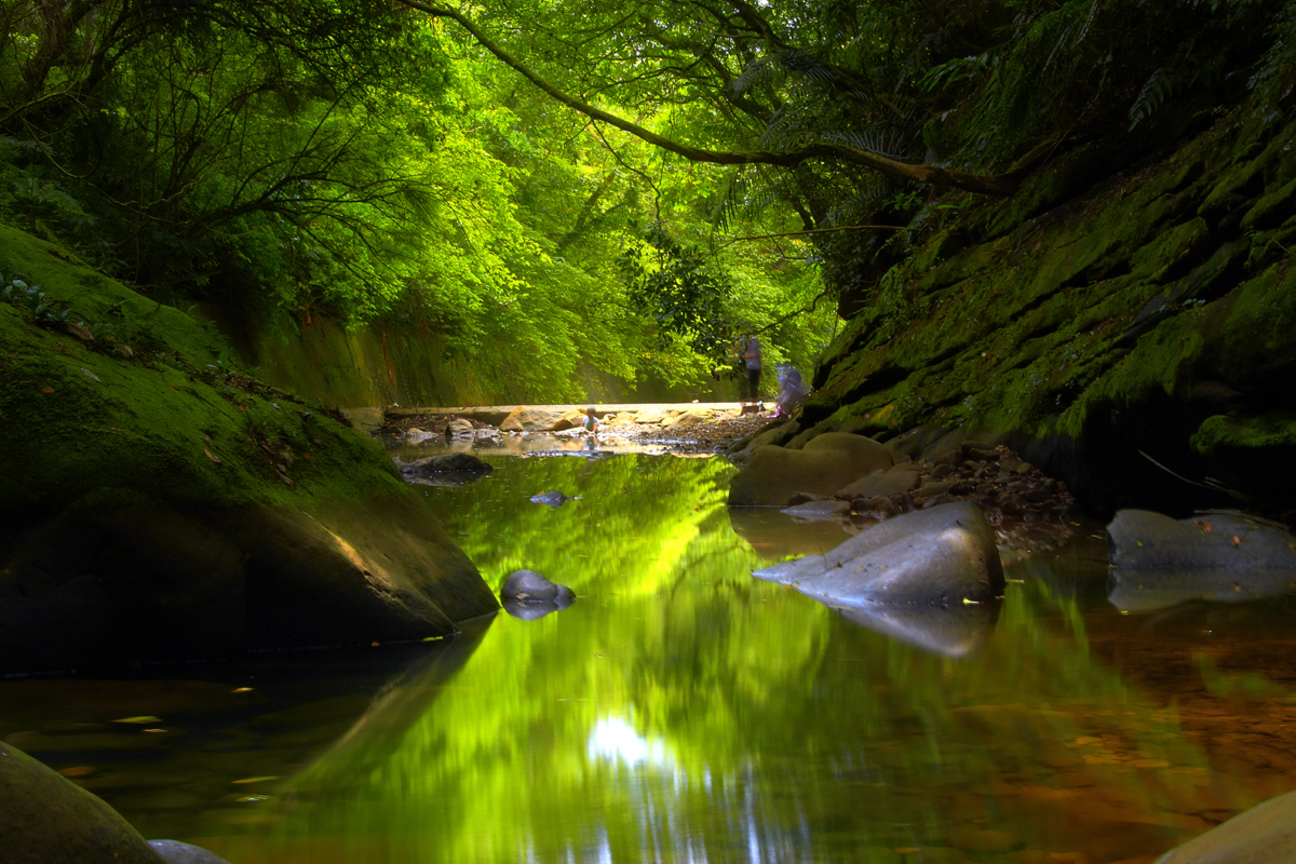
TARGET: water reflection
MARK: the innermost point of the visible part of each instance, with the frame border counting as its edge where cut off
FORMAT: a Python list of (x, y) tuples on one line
[(684, 711)]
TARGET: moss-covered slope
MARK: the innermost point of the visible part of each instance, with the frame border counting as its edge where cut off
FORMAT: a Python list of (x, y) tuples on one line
[(1122, 330), (158, 505), (146, 410)]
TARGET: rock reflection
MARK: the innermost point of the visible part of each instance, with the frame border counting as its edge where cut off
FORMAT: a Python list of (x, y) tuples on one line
[(950, 631), (1149, 590)]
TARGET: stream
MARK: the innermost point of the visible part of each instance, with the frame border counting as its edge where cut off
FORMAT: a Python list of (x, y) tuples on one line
[(683, 711)]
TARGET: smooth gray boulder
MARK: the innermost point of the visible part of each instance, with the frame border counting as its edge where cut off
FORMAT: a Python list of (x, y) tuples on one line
[(1143, 540), (1265, 834), (47, 819), (176, 852), (943, 556)]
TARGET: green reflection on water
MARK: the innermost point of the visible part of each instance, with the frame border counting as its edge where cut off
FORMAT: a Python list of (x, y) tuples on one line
[(681, 710)]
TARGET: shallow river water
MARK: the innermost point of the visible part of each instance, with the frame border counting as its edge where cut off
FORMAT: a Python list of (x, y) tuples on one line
[(683, 711)]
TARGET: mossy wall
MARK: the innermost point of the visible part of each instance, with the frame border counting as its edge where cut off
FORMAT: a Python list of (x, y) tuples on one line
[(1123, 328), (385, 364)]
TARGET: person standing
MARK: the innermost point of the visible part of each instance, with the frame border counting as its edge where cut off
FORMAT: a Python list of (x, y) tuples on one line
[(752, 357)]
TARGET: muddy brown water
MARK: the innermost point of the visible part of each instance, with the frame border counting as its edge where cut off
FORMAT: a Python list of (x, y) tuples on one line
[(681, 710)]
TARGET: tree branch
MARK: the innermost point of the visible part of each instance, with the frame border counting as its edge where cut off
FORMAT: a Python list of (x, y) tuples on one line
[(997, 184)]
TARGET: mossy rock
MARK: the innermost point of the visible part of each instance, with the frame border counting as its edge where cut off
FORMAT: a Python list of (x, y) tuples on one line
[(140, 446), (48, 819)]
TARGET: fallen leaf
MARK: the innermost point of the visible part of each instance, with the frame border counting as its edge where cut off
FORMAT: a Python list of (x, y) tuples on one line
[(1237, 541), (207, 438), (76, 771), (257, 779), (286, 479), (373, 644), (215, 459), (80, 332), (90, 374), (126, 350), (143, 718), (47, 389)]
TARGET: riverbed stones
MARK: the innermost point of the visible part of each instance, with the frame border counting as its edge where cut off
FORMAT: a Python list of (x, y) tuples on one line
[(773, 474), (880, 483), (47, 819), (528, 419), (1265, 834)]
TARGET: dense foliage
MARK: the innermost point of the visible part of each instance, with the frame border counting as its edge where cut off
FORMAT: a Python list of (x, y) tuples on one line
[(367, 161)]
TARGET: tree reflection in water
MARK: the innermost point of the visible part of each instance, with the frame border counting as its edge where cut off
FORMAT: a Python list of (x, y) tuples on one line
[(681, 710)]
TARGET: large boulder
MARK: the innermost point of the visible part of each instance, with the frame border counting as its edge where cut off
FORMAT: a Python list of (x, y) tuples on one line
[(912, 577), (158, 504), (943, 556), (527, 419), (1265, 834), (772, 474), (47, 819), (99, 587)]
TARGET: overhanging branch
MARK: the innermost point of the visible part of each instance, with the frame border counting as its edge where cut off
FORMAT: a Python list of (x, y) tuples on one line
[(995, 184)]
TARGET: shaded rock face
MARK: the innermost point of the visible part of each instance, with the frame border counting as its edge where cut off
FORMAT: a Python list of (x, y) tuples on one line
[(47, 819), (1223, 557), (1261, 835), (830, 461), (892, 576), (1120, 327), (528, 595), (93, 589)]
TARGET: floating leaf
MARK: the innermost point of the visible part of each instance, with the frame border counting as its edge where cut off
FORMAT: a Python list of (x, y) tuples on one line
[(1237, 541), (143, 718), (76, 771), (215, 459), (257, 779)]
